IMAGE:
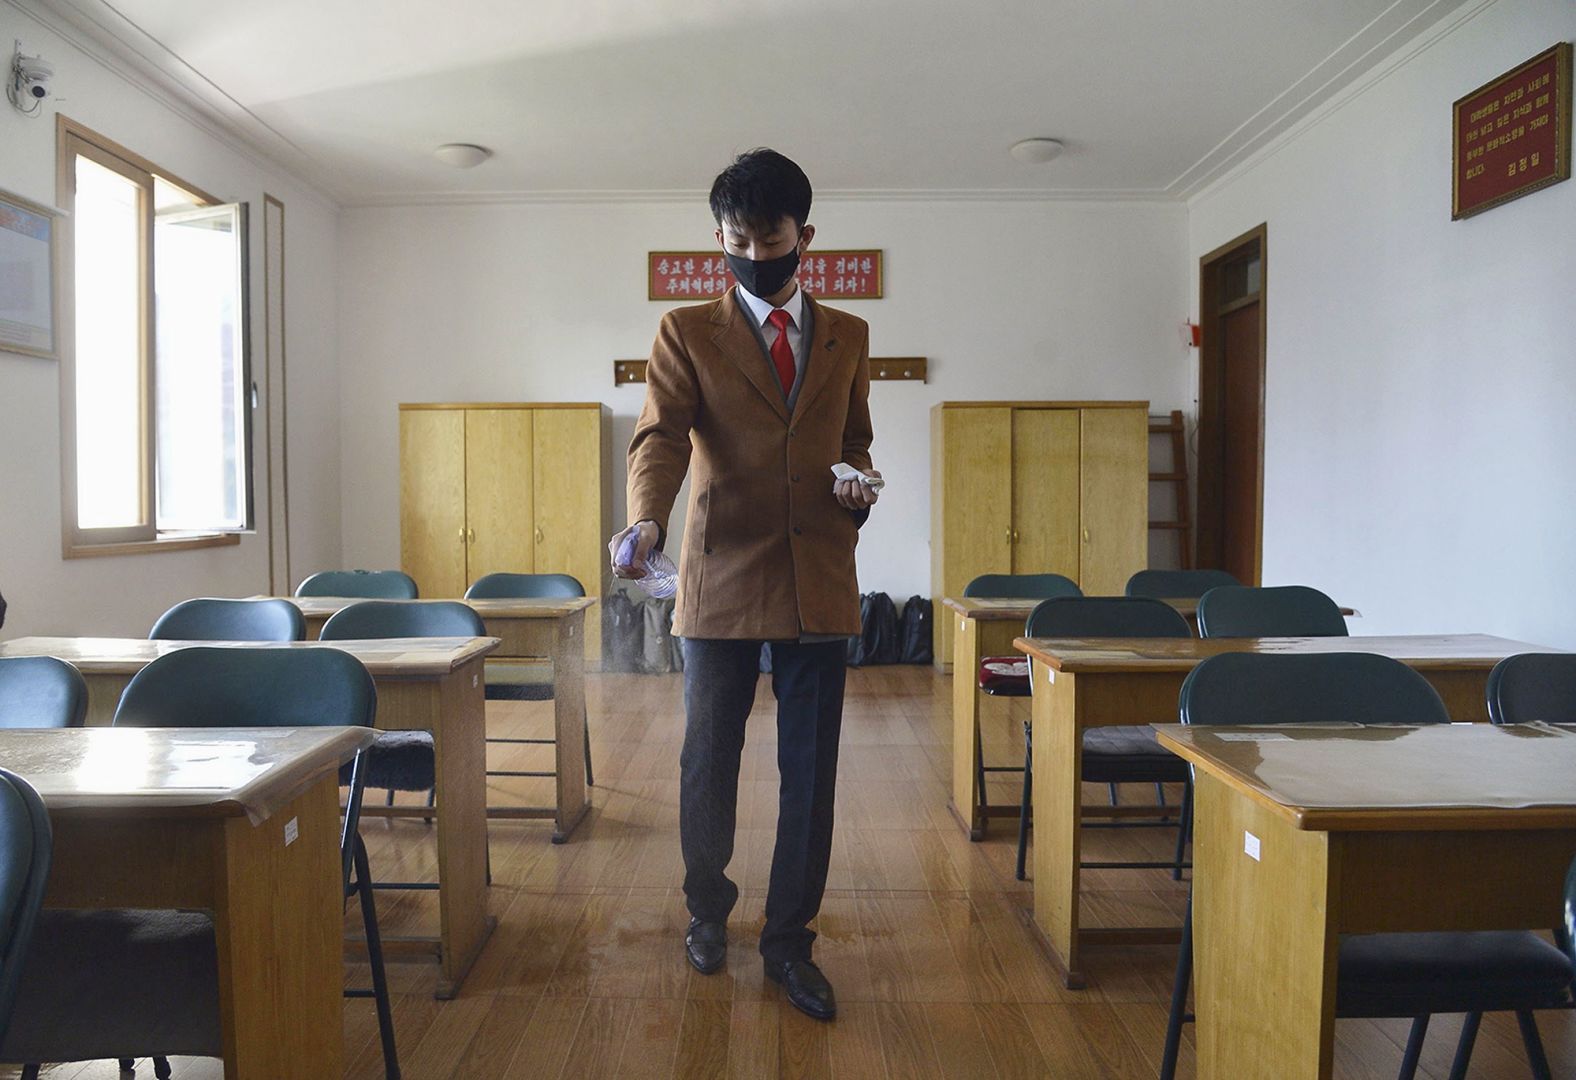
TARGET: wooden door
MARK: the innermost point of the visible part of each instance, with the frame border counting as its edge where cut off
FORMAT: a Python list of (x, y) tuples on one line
[(569, 489), (975, 467), (432, 499), (499, 492), (1045, 491), (1114, 498), (1231, 407)]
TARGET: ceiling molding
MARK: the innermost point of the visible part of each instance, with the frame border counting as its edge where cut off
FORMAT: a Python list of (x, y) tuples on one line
[(1339, 98), (1371, 49), (122, 48), (691, 198)]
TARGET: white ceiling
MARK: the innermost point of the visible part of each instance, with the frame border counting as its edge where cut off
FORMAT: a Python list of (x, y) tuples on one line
[(1152, 97)]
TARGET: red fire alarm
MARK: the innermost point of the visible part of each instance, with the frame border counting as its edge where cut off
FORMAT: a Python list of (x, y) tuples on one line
[(1192, 335)]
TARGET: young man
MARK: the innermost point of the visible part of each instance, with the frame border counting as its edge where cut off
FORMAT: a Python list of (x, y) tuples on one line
[(766, 389)]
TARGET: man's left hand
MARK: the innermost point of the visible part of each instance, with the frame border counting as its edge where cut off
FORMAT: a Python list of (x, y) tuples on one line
[(852, 495)]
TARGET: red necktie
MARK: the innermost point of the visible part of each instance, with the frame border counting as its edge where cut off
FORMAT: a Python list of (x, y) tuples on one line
[(782, 352)]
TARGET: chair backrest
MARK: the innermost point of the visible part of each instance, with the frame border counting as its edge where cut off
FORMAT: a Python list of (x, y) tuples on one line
[(1177, 584), (1021, 586), (1311, 688), (370, 584), (1532, 687), (1105, 616), (211, 619), (1278, 611), (1569, 921), (41, 692), (524, 587), (257, 688), (26, 844), (402, 619)]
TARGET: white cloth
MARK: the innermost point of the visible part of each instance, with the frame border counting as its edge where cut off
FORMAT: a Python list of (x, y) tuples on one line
[(760, 310), (844, 471)]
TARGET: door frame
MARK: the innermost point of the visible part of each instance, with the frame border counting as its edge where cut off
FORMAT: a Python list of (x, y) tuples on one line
[(1211, 447)]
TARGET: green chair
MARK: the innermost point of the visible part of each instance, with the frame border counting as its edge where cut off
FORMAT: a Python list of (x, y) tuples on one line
[(1120, 754), (1378, 975), (1177, 584), (26, 847), (366, 584), (213, 619), (1278, 611), (90, 990), (527, 587), (41, 692), (1007, 676)]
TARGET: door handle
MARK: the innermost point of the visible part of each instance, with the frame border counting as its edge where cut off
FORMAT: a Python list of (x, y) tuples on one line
[(1086, 536), (462, 536), (1015, 536), (1009, 536), (538, 536), (470, 536)]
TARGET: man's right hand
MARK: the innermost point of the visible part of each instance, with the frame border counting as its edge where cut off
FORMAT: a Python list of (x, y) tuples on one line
[(648, 540)]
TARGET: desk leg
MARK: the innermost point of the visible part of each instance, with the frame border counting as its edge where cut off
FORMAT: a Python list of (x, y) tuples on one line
[(1265, 941), (1058, 778), (966, 796), (569, 724), (278, 919), (459, 743)]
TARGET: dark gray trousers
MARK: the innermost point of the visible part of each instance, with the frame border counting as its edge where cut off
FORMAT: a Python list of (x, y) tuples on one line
[(720, 677)]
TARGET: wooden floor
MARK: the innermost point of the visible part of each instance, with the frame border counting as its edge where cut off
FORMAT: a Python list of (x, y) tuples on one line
[(924, 935)]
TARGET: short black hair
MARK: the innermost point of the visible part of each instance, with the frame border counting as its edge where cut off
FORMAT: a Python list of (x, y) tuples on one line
[(759, 189)]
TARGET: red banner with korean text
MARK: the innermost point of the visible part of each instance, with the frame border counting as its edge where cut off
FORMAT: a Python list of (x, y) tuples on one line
[(704, 275), (1513, 135)]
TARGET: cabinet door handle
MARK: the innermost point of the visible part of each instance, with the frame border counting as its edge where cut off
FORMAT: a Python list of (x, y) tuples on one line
[(1009, 536), (1015, 536), (470, 536), (538, 536), (1086, 536), (462, 536)]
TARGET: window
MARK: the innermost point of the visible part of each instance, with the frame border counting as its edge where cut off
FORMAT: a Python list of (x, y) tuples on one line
[(155, 381)]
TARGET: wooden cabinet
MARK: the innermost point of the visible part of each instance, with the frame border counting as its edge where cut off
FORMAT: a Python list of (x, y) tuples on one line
[(1036, 487), (513, 488)]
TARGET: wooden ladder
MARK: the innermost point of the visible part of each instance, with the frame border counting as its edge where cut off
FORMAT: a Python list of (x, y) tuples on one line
[(1177, 477)]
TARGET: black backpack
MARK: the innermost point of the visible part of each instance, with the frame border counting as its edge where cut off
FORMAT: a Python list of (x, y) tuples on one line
[(914, 630)]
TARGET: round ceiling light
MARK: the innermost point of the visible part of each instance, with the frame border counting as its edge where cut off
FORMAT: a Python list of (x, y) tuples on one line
[(1037, 151), (462, 155)]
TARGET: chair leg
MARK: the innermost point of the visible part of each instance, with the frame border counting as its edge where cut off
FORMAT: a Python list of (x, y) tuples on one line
[(1112, 788), (390, 800), (1179, 989), (1414, 1048), (1160, 793), (432, 800), (380, 986), (979, 775), (1534, 1044), (1469, 1031), (1028, 800), (585, 726), (1183, 829)]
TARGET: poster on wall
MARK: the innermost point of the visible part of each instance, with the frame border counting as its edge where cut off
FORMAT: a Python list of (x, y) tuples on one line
[(27, 277), (701, 275), (1512, 136)]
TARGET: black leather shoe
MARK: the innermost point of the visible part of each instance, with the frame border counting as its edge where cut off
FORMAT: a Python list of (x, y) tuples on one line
[(808, 990), (706, 945)]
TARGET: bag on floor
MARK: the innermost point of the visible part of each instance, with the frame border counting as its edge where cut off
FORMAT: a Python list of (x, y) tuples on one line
[(657, 643), (622, 631), (915, 630), (877, 642)]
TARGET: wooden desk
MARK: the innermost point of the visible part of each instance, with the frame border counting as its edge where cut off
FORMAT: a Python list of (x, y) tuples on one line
[(1357, 830), (527, 630), (1095, 682), (988, 627), (429, 684), (241, 822)]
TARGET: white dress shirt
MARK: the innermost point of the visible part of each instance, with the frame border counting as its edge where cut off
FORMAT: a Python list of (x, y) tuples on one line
[(794, 306)]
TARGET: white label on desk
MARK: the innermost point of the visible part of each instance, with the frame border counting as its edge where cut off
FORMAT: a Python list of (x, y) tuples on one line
[(1250, 845), (292, 831), (1253, 736)]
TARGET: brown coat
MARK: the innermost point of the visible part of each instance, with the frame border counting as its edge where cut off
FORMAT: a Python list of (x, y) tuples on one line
[(768, 551)]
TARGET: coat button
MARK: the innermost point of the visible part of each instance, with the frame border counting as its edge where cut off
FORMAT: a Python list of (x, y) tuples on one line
[(798, 531), (795, 478), (792, 432), (708, 551)]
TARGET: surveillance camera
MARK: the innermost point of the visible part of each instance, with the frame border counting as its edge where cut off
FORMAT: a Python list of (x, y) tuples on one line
[(28, 85)]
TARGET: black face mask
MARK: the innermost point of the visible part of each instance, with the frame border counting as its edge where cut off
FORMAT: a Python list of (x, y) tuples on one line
[(764, 277)]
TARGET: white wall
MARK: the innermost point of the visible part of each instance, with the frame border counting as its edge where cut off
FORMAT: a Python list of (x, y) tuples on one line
[(523, 302), (123, 595), (1420, 395)]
